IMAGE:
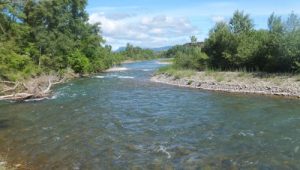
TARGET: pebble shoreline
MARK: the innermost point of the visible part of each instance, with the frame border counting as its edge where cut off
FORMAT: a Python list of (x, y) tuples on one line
[(226, 87)]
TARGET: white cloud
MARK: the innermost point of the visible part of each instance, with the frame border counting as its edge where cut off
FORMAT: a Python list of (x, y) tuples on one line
[(218, 18), (145, 31), (159, 25)]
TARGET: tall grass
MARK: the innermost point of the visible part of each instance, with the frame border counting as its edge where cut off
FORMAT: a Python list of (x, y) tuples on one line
[(176, 72), (230, 75)]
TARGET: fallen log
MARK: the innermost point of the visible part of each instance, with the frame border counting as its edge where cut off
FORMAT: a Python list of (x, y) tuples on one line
[(17, 96)]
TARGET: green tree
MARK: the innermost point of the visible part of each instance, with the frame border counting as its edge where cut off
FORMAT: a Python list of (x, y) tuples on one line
[(292, 23), (190, 57), (79, 63), (275, 24), (221, 46), (47, 32), (137, 53), (194, 39), (240, 22)]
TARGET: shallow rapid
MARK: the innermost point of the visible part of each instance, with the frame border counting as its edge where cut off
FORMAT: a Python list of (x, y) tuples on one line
[(121, 120)]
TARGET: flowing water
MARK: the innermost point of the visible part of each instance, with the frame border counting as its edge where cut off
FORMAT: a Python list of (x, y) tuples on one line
[(121, 120)]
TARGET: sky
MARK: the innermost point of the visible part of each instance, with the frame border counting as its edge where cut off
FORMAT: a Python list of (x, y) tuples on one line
[(159, 23)]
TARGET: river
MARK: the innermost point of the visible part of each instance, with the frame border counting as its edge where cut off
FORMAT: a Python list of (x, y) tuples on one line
[(121, 120)]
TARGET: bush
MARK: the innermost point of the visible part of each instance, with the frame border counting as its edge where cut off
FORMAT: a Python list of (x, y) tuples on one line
[(189, 57), (14, 66), (79, 63)]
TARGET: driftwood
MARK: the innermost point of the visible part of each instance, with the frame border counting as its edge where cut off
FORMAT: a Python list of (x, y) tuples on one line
[(8, 82), (34, 89), (18, 96), (47, 90), (11, 89)]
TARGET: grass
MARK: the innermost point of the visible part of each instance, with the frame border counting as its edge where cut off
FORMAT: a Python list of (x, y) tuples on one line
[(234, 77), (171, 60), (177, 73), (233, 81), (242, 74), (220, 78)]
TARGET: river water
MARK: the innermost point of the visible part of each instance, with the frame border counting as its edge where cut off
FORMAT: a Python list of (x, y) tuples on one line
[(121, 120)]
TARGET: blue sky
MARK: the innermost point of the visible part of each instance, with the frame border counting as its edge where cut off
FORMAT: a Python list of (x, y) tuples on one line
[(156, 23)]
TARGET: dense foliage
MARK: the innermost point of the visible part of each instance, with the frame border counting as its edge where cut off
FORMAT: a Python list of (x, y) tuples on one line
[(137, 53), (188, 57), (43, 36), (237, 45)]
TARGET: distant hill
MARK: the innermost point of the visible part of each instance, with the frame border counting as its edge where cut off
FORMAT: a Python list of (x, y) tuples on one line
[(120, 49), (161, 48), (158, 49)]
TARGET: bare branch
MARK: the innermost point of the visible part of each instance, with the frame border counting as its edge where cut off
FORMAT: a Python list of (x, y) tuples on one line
[(8, 82), (11, 89), (31, 89), (47, 90)]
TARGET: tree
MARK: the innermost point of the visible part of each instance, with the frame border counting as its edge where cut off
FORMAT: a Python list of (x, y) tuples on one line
[(275, 24), (136, 53), (240, 22), (193, 39), (221, 46), (79, 63), (239, 46), (47, 33), (291, 41), (190, 57), (292, 23)]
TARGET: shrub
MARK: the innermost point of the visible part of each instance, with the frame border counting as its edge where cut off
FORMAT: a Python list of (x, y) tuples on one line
[(79, 63), (190, 57)]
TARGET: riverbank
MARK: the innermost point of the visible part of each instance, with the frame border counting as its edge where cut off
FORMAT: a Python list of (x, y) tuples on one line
[(153, 115), (33, 88), (39, 88), (236, 82)]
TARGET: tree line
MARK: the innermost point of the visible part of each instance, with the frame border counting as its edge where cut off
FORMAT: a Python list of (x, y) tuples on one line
[(137, 53), (43, 36), (238, 45)]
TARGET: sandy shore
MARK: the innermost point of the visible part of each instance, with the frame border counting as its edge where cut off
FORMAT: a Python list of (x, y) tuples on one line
[(281, 85)]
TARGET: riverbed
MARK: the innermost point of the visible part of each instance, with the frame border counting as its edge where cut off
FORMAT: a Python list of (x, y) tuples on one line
[(122, 120)]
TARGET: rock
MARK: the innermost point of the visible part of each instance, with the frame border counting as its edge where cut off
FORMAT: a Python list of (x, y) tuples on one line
[(238, 87), (18, 165)]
